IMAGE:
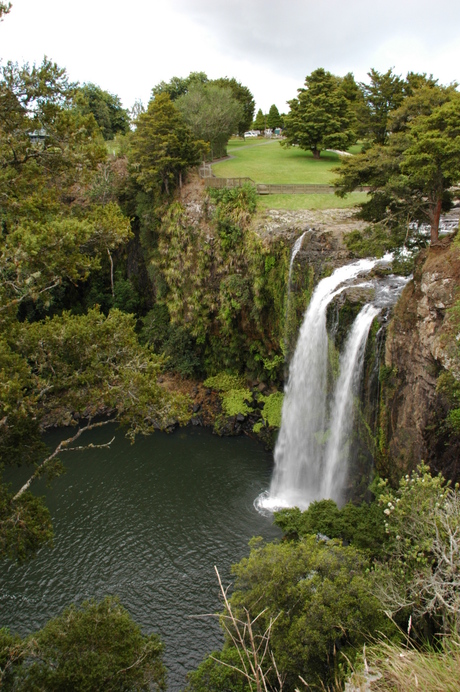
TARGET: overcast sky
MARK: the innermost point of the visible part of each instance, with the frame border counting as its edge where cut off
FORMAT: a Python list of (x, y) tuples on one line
[(128, 47)]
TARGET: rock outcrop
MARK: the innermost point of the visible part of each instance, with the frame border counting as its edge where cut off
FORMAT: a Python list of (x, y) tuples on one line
[(421, 346)]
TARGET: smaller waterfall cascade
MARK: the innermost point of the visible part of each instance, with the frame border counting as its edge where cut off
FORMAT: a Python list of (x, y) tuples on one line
[(295, 250), (341, 416)]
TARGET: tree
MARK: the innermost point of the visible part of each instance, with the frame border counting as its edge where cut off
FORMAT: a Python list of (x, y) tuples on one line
[(212, 114), (313, 597), (420, 576), (353, 92), (163, 147), (108, 112), (383, 94), (244, 97), (273, 117), (259, 122), (178, 86), (320, 117), (69, 368), (411, 175), (431, 162), (4, 9), (49, 152), (92, 648)]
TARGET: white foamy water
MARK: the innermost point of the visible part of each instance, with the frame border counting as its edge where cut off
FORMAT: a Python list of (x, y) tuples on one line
[(298, 474), (336, 454), (311, 455)]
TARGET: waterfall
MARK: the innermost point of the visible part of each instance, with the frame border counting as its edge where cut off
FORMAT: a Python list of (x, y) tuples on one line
[(299, 470), (295, 250), (341, 416)]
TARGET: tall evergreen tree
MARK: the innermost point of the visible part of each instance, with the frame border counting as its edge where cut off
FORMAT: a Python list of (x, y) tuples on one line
[(320, 117), (106, 108), (259, 122), (273, 117), (163, 147), (383, 94), (410, 176)]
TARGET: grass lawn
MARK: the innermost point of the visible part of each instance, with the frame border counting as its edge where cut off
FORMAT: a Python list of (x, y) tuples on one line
[(268, 162), (293, 202)]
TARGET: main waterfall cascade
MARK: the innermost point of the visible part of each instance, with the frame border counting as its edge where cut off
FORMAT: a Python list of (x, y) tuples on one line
[(311, 453)]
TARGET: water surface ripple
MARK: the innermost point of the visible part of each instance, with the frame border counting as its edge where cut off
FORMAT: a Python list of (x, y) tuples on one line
[(146, 522)]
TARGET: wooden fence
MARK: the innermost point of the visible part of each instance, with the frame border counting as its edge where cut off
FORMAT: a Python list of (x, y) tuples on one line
[(273, 188), (228, 182)]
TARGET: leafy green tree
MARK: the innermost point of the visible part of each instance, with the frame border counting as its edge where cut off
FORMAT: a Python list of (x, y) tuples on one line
[(163, 147), (178, 86), (36, 257), (431, 162), (383, 94), (218, 673), (273, 117), (419, 577), (108, 112), (320, 117), (92, 648), (411, 175), (361, 525), (353, 92), (314, 597), (259, 122), (213, 115), (244, 97), (4, 8), (49, 153), (70, 368)]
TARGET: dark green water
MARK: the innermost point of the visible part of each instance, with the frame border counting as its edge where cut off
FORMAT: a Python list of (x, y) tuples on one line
[(147, 522)]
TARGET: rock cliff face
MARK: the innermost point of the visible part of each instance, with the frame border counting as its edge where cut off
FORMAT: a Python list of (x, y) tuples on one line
[(421, 347)]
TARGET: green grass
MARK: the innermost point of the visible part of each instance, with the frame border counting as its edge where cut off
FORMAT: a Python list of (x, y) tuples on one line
[(294, 202), (268, 162)]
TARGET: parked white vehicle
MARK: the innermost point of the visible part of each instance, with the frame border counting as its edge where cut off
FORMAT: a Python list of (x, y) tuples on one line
[(251, 133)]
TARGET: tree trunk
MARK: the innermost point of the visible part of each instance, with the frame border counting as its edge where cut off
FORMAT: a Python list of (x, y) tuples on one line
[(435, 221), (316, 153), (111, 271)]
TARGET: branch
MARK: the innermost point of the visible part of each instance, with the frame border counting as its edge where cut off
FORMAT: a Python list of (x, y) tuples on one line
[(64, 447)]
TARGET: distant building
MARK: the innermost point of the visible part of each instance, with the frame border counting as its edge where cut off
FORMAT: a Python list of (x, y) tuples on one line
[(37, 136)]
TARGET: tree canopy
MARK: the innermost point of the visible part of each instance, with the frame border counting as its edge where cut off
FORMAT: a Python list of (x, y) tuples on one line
[(178, 87), (91, 648), (213, 115), (410, 174), (320, 117), (383, 94), (163, 147), (67, 368), (5, 8), (108, 112), (273, 118), (259, 122), (243, 95)]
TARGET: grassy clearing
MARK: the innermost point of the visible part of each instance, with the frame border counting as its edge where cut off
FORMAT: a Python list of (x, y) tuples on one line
[(294, 202), (268, 162)]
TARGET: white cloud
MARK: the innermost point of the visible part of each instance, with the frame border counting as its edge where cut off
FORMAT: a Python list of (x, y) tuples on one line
[(268, 46)]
